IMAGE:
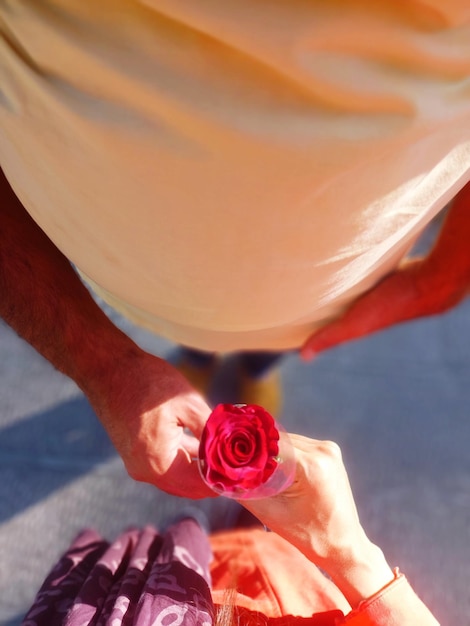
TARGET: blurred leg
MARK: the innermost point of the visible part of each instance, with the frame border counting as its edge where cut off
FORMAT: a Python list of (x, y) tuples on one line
[(260, 381), (197, 367)]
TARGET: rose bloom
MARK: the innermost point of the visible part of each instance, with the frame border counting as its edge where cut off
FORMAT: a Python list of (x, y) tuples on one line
[(238, 448)]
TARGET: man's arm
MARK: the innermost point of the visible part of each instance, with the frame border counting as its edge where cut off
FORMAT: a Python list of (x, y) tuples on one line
[(418, 288), (142, 401)]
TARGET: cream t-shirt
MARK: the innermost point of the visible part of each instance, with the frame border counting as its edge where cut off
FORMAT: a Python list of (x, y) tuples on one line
[(232, 174)]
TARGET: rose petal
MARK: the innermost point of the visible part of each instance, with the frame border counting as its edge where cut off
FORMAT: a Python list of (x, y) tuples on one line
[(238, 447)]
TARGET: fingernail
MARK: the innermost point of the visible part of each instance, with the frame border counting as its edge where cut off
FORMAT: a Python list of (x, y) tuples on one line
[(308, 354)]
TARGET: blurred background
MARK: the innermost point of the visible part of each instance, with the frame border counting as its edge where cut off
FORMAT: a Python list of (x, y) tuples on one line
[(398, 403)]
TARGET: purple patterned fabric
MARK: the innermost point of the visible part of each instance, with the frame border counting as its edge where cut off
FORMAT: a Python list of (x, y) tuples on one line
[(143, 578)]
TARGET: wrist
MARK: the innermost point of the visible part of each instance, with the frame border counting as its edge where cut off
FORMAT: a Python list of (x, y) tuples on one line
[(360, 572)]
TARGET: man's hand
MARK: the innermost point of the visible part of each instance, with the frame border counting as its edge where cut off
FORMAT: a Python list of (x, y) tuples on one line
[(143, 402), (148, 409), (418, 288)]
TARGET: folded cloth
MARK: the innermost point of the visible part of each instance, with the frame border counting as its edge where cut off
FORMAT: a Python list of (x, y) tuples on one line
[(180, 576), (141, 578)]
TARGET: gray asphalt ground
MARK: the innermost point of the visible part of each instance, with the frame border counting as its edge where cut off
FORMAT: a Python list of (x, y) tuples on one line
[(398, 403)]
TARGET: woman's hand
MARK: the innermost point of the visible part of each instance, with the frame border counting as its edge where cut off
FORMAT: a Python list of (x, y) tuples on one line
[(318, 515)]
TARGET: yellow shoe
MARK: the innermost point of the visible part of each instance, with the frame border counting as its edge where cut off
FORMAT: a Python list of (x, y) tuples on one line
[(265, 391), (199, 377)]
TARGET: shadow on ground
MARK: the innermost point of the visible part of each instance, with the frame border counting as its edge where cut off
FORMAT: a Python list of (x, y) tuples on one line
[(66, 438)]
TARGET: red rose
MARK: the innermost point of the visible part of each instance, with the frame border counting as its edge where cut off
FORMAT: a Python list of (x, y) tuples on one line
[(238, 448)]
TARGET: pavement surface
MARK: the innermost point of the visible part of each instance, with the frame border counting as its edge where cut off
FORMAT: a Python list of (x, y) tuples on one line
[(398, 403)]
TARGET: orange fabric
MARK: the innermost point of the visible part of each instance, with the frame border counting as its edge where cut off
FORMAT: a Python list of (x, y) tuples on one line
[(394, 605), (277, 586), (270, 575)]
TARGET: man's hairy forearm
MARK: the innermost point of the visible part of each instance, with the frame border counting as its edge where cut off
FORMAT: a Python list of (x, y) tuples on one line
[(45, 302), (141, 400)]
